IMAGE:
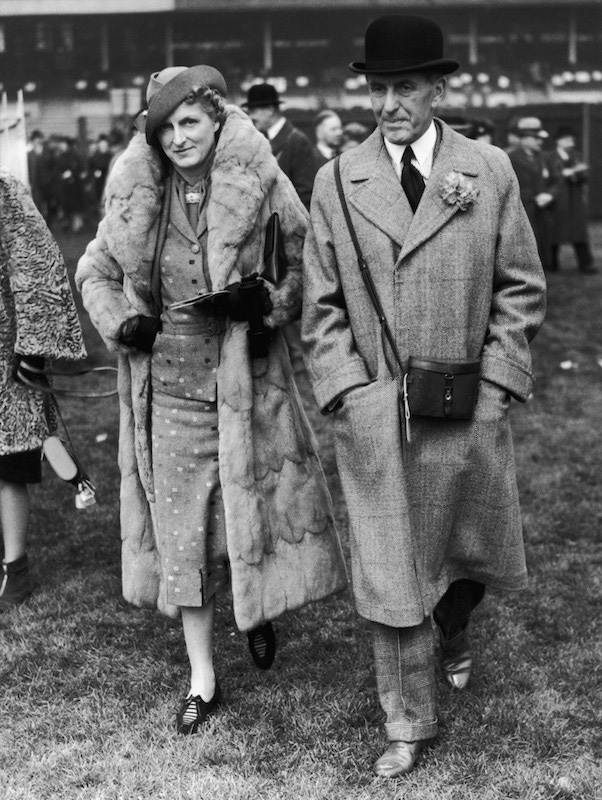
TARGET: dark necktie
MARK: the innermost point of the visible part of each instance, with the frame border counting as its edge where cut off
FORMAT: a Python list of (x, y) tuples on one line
[(411, 179)]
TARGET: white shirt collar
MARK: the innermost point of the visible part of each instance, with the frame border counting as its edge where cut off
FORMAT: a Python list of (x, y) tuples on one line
[(424, 149), (326, 151), (275, 129)]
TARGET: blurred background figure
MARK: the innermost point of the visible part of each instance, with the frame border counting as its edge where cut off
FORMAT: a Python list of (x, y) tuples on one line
[(40, 169), (512, 140), (296, 158), (354, 133), (292, 148), (38, 321), (71, 171), (329, 133), (538, 185), (98, 166), (482, 131), (569, 213)]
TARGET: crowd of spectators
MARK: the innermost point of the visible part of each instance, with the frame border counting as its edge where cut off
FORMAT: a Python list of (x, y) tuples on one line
[(67, 179)]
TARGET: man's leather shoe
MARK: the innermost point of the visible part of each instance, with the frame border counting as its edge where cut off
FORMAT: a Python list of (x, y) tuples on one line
[(456, 659), (398, 759)]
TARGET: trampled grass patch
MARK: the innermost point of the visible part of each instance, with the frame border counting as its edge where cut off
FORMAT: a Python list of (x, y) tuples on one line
[(90, 685)]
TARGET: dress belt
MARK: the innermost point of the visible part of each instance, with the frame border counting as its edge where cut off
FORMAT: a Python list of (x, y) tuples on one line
[(207, 324)]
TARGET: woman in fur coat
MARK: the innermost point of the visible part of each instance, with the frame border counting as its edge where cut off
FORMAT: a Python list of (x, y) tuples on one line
[(221, 482), (38, 320)]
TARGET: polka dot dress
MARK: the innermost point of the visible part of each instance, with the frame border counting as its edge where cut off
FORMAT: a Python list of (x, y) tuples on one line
[(189, 507)]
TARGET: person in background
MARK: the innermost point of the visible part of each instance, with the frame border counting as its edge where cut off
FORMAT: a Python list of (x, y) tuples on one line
[(40, 172), (290, 146), (38, 322), (538, 184), (354, 133), (569, 213), (98, 167), (328, 131), (295, 155), (221, 482), (482, 131), (432, 495), (71, 171)]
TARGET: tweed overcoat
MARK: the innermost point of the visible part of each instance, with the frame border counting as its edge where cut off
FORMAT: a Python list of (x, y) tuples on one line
[(37, 312), (454, 285), (283, 548)]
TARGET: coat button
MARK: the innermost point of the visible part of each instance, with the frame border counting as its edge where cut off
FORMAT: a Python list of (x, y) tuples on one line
[(195, 248)]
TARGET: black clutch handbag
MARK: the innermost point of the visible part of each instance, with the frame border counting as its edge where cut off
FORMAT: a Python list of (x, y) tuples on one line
[(274, 257), (445, 389)]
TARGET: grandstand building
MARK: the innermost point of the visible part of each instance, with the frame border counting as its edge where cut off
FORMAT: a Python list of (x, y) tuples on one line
[(90, 59)]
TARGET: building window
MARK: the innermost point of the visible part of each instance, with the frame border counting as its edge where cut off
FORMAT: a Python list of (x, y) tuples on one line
[(43, 37), (66, 37)]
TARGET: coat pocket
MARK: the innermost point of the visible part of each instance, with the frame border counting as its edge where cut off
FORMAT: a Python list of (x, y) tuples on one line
[(367, 434)]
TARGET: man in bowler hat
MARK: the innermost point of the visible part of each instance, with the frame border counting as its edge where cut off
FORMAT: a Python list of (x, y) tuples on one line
[(433, 502), (292, 148)]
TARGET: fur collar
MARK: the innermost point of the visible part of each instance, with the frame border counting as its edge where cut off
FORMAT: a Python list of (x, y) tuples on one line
[(243, 172)]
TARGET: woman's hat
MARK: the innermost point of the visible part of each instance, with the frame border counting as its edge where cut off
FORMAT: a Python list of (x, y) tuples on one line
[(170, 87), (404, 43), (261, 95)]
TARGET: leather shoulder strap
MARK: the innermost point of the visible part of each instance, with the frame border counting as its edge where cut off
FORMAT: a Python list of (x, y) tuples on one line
[(365, 272)]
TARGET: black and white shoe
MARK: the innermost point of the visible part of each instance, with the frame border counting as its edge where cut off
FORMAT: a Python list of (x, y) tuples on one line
[(262, 644), (195, 711)]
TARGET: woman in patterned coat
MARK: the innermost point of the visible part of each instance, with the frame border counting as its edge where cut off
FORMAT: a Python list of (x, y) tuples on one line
[(38, 320), (221, 482)]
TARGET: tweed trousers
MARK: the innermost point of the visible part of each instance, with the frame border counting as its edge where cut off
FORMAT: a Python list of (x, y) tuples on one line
[(404, 660)]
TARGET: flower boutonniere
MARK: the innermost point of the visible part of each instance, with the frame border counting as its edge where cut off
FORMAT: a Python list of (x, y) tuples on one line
[(458, 190)]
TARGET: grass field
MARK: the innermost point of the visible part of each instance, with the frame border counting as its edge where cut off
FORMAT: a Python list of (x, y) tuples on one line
[(89, 685)]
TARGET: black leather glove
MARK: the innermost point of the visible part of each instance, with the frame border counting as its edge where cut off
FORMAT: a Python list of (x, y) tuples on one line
[(236, 303), (30, 368), (144, 334)]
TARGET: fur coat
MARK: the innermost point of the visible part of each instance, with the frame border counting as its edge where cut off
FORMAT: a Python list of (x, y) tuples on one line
[(282, 544), (37, 312)]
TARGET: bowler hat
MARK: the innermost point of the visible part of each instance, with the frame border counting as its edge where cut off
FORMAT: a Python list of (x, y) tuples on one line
[(530, 126), (170, 87), (404, 43), (261, 95)]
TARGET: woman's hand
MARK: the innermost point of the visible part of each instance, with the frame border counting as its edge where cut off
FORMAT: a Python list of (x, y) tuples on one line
[(140, 332)]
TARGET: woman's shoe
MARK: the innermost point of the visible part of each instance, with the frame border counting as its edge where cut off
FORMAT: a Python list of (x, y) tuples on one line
[(15, 583), (195, 711), (262, 644)]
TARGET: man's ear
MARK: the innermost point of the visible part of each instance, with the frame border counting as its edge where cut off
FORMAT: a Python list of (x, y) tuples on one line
[(439, 90)]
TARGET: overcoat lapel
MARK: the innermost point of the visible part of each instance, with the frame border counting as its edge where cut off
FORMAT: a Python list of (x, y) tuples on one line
[(377, 194)]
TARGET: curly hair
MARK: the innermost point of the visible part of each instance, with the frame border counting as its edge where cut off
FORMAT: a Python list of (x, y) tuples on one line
[(210, 101)]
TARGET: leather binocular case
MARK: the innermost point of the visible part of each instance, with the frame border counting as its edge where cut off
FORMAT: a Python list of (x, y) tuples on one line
[(446, 389)]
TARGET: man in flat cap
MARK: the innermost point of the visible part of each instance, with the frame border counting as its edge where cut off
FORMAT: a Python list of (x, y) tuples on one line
[(456, 284), (539, 185)]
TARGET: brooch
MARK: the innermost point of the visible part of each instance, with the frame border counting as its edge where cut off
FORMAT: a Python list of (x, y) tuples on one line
[(458, 190)]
